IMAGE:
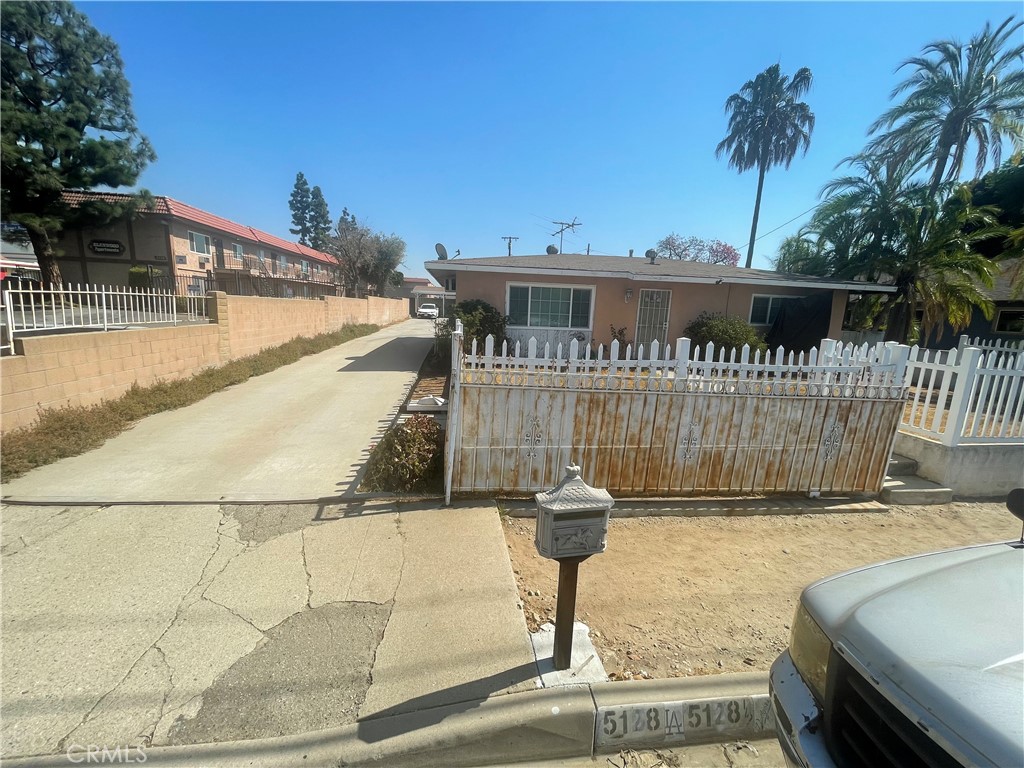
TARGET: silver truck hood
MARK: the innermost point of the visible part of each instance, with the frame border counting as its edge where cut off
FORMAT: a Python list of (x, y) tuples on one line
[(963, 667)]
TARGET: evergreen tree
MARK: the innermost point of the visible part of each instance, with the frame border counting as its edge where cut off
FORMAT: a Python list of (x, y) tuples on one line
[(301, 205), (67, 122), (319, 221)]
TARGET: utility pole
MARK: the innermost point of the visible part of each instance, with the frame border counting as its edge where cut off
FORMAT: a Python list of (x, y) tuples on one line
[(509, 239), (564, 225)]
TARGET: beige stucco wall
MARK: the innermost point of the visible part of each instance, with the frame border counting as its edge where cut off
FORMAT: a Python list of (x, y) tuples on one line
[(610, 307), (85, 368)]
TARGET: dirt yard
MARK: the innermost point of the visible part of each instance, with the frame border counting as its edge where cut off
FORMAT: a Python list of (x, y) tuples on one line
[(675, 596)]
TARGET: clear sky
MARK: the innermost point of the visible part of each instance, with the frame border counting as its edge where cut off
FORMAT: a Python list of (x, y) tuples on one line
[(464, 122)]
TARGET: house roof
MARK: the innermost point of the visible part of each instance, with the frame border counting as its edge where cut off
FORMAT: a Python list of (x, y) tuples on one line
[(168, 206), (417, 280), (641, 269), (1002, 284)]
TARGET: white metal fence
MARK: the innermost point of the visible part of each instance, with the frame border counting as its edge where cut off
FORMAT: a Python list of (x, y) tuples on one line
[(30, 308), (673, 421), (966, 395)]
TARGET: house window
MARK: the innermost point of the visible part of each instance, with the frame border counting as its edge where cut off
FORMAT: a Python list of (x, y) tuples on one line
[(305, 268), (764, 309), (543, 306), (239, 251), (284, 263), (1010, 321), (199, 243)]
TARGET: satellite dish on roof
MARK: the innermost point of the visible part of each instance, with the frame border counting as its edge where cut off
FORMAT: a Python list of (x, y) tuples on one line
[(552, 250), (442, 252)]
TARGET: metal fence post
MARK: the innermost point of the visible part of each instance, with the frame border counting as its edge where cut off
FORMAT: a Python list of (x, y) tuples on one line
[(9, 310), (963, 390), (453, 411), (103, 305)]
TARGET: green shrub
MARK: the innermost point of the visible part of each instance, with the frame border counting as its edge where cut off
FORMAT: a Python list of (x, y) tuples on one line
[(409, 457), (724, 331), (479, 320), (141, 277)]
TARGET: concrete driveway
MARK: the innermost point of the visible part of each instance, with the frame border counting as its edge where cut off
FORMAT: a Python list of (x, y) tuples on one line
[(299, 432), (137, 612)]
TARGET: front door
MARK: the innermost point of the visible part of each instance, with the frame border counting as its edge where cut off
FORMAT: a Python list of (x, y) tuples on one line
[(652, 317), (218, 253)]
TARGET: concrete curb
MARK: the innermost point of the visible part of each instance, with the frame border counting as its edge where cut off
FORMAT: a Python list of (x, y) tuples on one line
[(545, 724)]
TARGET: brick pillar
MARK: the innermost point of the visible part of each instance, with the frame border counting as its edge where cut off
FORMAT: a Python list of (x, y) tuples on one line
[(217, 310)]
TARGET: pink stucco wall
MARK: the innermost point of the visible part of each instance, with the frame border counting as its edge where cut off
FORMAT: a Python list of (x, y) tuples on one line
[(611, 308)]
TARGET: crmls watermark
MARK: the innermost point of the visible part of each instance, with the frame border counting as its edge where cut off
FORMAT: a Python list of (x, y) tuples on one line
[(91, 754)]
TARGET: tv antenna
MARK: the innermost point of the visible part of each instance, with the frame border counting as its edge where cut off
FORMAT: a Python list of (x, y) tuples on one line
[(509, 239), (562, 227)]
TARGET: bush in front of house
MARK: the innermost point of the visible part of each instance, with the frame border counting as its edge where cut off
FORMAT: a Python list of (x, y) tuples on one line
[(723, 331), (408, 458), (479, 320)]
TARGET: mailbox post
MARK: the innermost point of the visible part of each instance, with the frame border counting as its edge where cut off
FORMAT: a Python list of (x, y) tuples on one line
[(572, 525)]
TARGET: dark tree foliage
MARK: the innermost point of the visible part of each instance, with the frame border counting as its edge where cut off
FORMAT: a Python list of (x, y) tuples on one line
[(67, 122), (319, 221), (301, 203)]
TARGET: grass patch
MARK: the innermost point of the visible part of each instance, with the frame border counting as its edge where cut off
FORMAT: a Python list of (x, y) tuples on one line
[(58, 433)]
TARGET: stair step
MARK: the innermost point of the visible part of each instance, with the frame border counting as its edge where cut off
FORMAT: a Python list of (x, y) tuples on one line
[(910, 489), (900, 466)]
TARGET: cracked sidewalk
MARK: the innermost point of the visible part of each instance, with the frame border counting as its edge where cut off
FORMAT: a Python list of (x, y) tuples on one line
[(146, 626)]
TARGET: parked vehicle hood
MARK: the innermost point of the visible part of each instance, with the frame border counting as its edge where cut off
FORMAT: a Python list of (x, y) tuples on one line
[(944, 636)]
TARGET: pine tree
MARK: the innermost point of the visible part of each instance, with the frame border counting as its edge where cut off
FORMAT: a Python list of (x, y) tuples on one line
[(300, 203), (67, 122), (319, 220)]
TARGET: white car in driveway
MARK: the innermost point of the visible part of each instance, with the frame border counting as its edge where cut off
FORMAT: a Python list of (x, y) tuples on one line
[(913, 662), (427, 310)]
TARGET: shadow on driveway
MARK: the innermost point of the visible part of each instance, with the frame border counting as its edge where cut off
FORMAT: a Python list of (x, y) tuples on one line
[(393, 356)]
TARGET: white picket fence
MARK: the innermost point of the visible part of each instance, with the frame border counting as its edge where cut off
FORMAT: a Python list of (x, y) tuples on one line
[(679, 420), (966, 395), (28, 308), (583, 366)]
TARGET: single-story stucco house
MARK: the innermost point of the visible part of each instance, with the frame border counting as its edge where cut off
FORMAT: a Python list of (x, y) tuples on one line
[(1007, 322), (557, 297)]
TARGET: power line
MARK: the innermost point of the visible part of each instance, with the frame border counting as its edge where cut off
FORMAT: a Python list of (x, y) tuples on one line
[(813, 207)]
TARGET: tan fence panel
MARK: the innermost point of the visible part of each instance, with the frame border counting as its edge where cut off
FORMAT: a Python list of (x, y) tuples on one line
[(677, 426)]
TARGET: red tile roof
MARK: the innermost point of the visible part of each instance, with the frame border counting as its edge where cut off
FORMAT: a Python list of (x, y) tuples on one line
[(74, 197), (179, 210)]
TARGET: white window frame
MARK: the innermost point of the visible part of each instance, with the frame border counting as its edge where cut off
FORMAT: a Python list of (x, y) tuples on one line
[(193, 237), (238, 251), (305, 267), (573, 286), (1008, 310), (282, 262), (770, 297)]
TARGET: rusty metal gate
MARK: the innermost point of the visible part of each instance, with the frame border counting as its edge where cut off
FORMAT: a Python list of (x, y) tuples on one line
[(677, 424)]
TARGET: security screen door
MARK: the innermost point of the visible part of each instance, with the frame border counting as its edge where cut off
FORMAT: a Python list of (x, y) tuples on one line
[(652, 317)]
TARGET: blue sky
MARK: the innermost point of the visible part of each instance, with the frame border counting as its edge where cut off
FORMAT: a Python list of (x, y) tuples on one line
[(464, 122)]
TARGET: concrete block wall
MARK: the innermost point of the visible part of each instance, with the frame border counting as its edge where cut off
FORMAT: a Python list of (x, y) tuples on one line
[(85, 368)]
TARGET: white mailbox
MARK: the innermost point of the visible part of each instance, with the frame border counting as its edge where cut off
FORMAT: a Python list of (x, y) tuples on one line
[(572, 518)]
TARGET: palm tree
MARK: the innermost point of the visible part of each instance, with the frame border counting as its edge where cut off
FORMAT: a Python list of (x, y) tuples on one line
[(767, 126), (958, 93)]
